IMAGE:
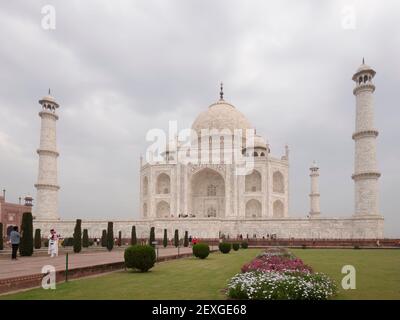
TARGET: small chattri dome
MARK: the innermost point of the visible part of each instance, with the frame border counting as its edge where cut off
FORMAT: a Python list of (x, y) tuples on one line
[(50, 99), (362, 69)]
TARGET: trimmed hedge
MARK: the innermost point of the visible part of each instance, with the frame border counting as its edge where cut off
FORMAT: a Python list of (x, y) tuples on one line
[(186, 240), (104, 238), (1, 237), (38, 239), (140, 257), (26, 244), (165, 239), (235, 246), (201, 250), (225, 247), (85, 238), (78, 236), (110, 236), (119, 243), (133, 236), (244, 245), (152, 237), (176, 238)]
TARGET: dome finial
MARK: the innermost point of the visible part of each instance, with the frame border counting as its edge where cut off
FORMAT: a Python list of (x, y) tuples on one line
[(363, 60), (221, 93), (49, 92)]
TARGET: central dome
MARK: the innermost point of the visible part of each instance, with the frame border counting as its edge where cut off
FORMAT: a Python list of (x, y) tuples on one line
[(221, 115)]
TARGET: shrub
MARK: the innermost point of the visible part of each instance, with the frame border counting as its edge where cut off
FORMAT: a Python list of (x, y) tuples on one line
[(244, 245), (119, 243), (140, 257), (1, 237), (46, 243), (91, 242), (165, 239), (235, 246), (104, 238), (225, 247), (85, 239), (133, 236), (201, 250), (176, 238), (78, 236), (68, 242), (279, 286), (152, 237), (303, 246), (26, 244), (186, 240), (38, 239), (110, 236), (357, 247)]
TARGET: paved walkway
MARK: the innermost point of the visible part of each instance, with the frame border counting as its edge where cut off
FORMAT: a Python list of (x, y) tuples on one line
[(25, 266)]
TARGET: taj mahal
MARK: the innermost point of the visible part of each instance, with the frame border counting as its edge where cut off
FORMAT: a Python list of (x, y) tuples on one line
[(221, 179)]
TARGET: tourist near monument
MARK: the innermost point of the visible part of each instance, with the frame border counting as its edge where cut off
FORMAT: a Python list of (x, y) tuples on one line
[(206, 196)]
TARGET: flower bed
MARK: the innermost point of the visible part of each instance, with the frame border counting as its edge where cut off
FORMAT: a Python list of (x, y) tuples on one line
[(278, 274), (273, 260)]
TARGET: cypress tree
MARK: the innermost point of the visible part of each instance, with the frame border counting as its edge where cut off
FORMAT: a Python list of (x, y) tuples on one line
[(165, 239), (186, 241), (104, 238), (119, 238), (38, 239), (110, 236), (152, 236), (78, 236), (176, 238), (133, 236), (85, 239), (1, 237), (26, 245)]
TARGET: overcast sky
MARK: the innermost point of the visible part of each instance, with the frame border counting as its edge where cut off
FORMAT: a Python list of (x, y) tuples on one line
[(120, 68)]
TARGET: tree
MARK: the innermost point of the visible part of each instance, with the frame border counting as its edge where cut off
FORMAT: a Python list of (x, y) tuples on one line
[(186, 241), (133, 236), (38, 239), (110, 236), (119, 238), (78, 236), (104, 238), (26, 244), (176, 238), (1, 237), (85, 239), (152, 236), (165, 239)]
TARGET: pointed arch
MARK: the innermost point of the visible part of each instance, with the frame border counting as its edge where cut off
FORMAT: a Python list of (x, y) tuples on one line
[(163, 184), (278, 209), (278, 184), (163, 209), (253, 182), (253, 209)]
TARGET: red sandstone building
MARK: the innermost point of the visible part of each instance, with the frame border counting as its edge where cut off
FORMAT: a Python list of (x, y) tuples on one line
[(11, 213)]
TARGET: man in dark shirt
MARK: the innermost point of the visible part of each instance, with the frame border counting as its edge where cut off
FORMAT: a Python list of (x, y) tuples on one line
[(15, 239)]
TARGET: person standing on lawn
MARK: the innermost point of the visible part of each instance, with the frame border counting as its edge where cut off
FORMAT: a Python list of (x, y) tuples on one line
[(15, 239)]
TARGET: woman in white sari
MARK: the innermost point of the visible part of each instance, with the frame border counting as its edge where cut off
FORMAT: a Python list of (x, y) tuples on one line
[(53, 243)]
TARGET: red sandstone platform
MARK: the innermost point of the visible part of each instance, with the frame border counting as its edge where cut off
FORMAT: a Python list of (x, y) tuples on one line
[(26, 272)]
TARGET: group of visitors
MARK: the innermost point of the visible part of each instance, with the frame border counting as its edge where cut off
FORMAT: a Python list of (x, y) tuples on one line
[(15, 240)]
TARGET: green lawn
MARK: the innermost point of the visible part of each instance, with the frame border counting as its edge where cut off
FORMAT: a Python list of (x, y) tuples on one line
[(378, 277), (377, 270)]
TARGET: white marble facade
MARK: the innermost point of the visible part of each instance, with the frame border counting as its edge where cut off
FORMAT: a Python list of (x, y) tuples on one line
[(207, 197)]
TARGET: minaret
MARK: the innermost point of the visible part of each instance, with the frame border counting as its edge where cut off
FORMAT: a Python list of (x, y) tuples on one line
[(47, 184), (314, 194), (366, 172)]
